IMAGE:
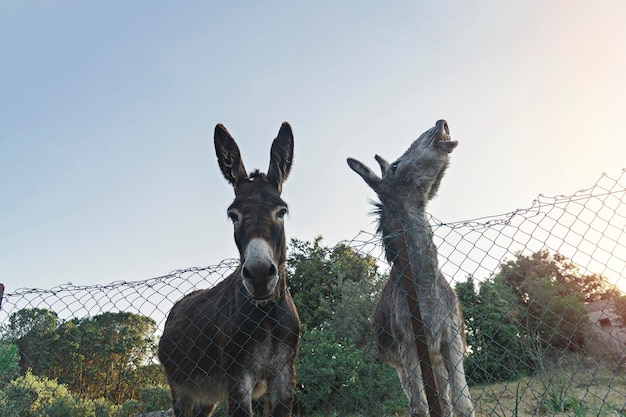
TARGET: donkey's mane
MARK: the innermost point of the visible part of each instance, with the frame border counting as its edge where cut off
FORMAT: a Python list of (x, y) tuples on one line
[(257, 174), (386, 235)]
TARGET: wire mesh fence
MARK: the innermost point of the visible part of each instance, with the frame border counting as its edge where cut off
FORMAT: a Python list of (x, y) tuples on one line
[(541, 290)]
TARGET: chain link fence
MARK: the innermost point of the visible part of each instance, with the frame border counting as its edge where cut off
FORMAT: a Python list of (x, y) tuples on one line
[(541, 289)]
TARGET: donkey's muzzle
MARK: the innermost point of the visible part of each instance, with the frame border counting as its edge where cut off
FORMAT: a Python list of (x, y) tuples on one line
[(259, 271)]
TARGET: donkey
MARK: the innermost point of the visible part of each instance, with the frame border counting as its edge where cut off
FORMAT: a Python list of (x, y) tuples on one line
[(404, 189), (239, 339)]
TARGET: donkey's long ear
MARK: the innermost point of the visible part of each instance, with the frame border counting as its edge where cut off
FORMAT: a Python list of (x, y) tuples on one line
[(228, 156), (367, 174), (382, 162), (281, 157)]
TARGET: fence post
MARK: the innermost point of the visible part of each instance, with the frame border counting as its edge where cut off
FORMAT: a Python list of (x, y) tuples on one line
[(1, 293), (402, 262)]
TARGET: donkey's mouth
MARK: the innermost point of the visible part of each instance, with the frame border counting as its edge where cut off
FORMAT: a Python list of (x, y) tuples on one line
[(258, 295), (261, 291), (442, 139), (263, 299)]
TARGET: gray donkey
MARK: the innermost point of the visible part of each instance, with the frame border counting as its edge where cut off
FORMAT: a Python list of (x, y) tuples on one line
[(405, 188)]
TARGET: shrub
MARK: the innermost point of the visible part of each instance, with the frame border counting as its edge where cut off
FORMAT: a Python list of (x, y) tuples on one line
[(31, 396), (9, 362), (336, 375), (155, 397)]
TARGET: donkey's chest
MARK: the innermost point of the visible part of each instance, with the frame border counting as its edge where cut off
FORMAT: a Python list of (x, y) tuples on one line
[(265, 342), (266, 357)]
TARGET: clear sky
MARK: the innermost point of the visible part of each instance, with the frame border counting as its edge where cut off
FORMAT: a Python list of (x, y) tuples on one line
[(107, 110)]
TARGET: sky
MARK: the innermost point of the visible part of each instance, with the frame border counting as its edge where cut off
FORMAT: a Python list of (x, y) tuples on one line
[(107, 111)]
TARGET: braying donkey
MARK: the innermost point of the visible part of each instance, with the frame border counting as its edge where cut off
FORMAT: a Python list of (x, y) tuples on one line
[(404, 189)]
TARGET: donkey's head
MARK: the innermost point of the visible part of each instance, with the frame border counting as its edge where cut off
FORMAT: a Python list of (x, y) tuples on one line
[(258, 211), (413, 178)]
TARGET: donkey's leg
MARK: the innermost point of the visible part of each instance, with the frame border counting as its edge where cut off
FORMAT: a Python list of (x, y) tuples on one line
[(280, 389), (184, 406), (441, 378), (240, 396), (460, 398), (410, 375), (204, 410)]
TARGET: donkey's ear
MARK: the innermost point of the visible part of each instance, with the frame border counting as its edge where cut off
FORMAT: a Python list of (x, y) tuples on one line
[(228, 156), (281, 157), (382, 162), (367, 174)]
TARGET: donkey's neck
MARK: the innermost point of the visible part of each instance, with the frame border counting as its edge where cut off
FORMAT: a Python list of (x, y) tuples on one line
[(419, 238)]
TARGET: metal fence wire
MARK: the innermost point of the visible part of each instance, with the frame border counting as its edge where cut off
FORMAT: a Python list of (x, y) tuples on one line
[(541, 289)]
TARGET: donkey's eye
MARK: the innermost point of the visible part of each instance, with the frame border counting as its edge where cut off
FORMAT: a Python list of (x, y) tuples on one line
[(233, 216), (280, 214), (393, 167)]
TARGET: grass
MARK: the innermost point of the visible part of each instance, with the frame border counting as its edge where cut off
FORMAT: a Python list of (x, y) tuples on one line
[(573, 387)]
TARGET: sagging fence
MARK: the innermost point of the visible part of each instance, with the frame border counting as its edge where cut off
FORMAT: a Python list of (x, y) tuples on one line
[(541, 289)]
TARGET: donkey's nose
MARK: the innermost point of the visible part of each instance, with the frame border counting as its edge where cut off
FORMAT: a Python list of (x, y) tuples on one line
[(442, 127), (258, 271), (260, 278)]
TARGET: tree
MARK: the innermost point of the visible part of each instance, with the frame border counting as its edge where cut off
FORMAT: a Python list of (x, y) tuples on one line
[(318, 277), (522, 273), (552, 292), (105, 356), (31, 329), (9, 361), (495, 350), (619, 308), (534, 305), (336, 290)]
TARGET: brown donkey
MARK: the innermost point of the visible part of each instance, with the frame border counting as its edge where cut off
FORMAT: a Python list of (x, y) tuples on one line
[(239, 339), (404, 189)]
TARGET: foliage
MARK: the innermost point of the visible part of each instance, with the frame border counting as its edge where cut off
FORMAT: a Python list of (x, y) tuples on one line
[(32, 329), (619, 308), (552, 293), (35, 396), (9, 361), (329, 368), (315, 273), (554, 318), (337, 375), (496, 352), (523, 272), (102, 356), (336, 291), (534, 305), (111, 348), (38, 396), (155, 397)]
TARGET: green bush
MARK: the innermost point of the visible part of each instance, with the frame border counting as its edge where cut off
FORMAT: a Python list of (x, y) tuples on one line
[(68, 406), (154, 398), (338, 376), (31, 396), (37, 396), (9, 362), (103, 407), (496, 351)]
